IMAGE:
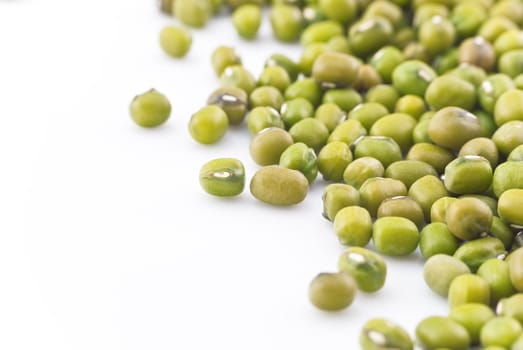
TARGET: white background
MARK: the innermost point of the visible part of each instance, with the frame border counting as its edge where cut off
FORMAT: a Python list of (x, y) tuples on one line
[(108, 241)]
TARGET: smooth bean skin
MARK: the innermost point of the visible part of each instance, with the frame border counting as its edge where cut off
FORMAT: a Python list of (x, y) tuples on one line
[(516, 154), (386, 95), (508, 41), (408, 171), (353, 226), (260, 118), (477, 51), (232, 100), (416, 51), (486, 198), (481, 146), (509, 206), (277, 185), (368, 35), (467, 18), (486, 122), (266, 96), (507, 176), (379, 334), (367, 78), (432, 154), (448, 90), (346, 98), (311, 132), (397, 126), (389, 10), (500, 331), (286, 63), (150, 109), (510, 9), (368, 113), (436, 238), (385, 61), (473, 74), (452, 127), (440, 270), (438, 210), (362, 169), (420, 134), (175, 41), (467, 218), (333, 160), (268, 145), (383, 148), (223, 57), (348, 132), (320, 31), (404, 207), (247, 20), (491, 88), (509, 106), (338, 196), (442, 332), (468, 174), (437, 34), (426, 191), (446, 61), (366, 267), (286, 22), (239, 77), (412, 77), (468, 288), (332, 291), (339, 43), (223, 177), (339, 10), (309, 56), (510, 63), (516, 269), (511, 307), (508, 136), (500, 230), (375, 190), (476, 252), (335, 69), (294, 110), (275, 76), (496, 273), (472, 316), (493, 27), (194, 13), (395, 236), (307, 88), (300, 157), (412, 105), (208, 125), (428, 10), (330, 114)]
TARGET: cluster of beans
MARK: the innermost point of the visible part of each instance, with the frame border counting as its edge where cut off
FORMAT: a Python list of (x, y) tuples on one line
[(412, 110)]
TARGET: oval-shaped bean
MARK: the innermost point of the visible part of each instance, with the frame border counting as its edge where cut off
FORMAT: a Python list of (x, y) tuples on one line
[(277, 185)]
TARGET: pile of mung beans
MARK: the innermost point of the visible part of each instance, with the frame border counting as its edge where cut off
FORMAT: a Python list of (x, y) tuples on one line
[(412, 112)]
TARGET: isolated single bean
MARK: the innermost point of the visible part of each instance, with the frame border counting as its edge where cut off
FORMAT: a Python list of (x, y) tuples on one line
[(223, 177)]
